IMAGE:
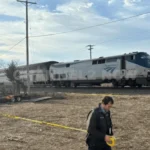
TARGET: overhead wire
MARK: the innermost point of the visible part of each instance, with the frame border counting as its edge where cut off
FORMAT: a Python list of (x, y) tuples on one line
[(106, 23), (9, 36), (65, 32), (16, 44)]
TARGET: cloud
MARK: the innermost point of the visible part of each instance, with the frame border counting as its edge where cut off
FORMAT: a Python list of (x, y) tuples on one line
[(131, 2), (111, 1), (12, 8), (128, 2), (110, 39), (74, 7)]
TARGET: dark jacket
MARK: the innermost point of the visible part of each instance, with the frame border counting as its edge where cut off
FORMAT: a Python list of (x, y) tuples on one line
[(100, 124)]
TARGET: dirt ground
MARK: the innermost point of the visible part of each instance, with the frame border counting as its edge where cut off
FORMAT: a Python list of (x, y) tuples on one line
[(130, 115)]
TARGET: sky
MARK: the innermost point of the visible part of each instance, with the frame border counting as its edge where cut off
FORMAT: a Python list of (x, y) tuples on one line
[(60, 16)]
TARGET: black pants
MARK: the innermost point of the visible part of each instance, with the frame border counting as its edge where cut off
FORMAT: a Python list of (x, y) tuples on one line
[(98, 148)]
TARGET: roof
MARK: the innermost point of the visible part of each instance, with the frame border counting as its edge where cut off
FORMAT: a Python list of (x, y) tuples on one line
[(100, 58), (39, 64), (33, 65)]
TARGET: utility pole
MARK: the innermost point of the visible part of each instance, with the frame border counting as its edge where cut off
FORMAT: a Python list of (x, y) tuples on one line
[(27, 43), (90, 49)]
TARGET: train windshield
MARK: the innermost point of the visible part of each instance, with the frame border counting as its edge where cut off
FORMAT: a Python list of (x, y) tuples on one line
[(147, 58)]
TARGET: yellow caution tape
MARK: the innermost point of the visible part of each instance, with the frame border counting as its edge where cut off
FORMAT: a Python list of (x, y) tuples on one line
[(43, 122), (112, 143)]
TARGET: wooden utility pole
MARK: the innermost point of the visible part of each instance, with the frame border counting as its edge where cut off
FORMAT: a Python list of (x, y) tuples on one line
[(27, 43), (90, 49)]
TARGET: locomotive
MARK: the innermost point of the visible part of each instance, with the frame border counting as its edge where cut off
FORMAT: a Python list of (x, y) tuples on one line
[(131, 69)]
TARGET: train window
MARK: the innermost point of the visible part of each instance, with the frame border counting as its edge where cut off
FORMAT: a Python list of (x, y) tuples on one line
[(67, 65), (95, 62), (132, 57), (101, 61), (56, 76)]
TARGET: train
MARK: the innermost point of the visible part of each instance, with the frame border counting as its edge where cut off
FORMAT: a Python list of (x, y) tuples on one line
[(132, 69), (38, 73)]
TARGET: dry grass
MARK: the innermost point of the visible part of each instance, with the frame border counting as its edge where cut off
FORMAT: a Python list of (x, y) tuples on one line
[(130, 118)]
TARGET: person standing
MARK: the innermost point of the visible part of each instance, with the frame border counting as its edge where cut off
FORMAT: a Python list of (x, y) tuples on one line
[(99, 126)]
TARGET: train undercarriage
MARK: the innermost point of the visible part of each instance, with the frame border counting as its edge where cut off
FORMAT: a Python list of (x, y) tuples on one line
[(139, 82)]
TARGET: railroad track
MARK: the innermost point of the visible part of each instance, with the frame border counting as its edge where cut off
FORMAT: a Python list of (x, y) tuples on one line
[(100, 90)]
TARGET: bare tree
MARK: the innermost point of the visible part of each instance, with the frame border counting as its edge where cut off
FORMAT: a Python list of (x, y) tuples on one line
[(13, 76)]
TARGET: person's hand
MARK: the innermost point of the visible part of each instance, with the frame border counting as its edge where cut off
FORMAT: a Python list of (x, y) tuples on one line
[(107, 138)]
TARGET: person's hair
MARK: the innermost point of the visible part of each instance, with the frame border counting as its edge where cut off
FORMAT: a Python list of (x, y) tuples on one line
[(107, 99)]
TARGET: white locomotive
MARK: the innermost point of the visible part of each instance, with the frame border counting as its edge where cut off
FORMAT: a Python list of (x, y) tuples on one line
[(131, 69)]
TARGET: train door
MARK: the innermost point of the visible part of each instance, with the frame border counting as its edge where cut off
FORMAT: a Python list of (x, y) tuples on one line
[(34, 78), (123, 63), (123, 66)]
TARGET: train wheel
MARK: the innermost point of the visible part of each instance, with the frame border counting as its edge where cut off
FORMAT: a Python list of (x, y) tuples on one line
[(139, 85), (74, 85), (67, 84), (123, 82), (57, 85), (115, 83), (131, 83)]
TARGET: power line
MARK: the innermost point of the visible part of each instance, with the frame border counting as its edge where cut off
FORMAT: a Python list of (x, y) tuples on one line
[(17, 44), (111, 22), (82, 28), (24, 39)]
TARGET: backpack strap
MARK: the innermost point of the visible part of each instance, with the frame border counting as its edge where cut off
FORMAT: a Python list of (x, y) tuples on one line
[(89, 117), (89, 113)]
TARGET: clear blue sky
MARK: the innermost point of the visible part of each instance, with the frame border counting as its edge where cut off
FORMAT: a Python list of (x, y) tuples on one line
[(55, 16)]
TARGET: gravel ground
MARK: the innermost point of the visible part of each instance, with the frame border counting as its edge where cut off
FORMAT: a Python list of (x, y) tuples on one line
[(130, 115)]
